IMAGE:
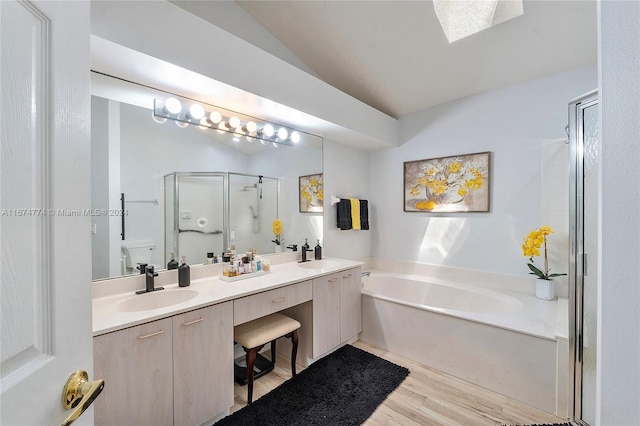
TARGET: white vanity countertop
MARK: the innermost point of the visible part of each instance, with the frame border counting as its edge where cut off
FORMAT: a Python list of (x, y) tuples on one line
[(108, 315)]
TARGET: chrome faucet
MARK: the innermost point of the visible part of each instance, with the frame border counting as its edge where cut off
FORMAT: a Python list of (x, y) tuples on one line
[(365, 274), (150, 286), (293, 247)]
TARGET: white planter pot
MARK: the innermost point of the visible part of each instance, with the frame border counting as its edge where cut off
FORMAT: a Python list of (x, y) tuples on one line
[(278, 248), (545, 289)]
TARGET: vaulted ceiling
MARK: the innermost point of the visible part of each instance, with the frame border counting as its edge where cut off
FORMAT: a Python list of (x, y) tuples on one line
[(394, 56)]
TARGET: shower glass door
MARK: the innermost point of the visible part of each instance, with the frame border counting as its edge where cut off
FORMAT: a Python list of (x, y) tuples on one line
[(253, 206), (194, 215), (585, 147)]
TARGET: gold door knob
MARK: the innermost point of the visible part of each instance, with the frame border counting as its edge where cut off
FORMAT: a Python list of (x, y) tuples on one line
[(79, 393)]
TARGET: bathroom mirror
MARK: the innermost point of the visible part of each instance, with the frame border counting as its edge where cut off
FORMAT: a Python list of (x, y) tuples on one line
[(134, 155)]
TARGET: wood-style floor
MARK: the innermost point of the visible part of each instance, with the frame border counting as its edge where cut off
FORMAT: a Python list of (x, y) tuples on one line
[(426, 397)]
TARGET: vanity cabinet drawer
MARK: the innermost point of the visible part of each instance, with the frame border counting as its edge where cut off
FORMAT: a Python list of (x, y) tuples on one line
[(261, 304)]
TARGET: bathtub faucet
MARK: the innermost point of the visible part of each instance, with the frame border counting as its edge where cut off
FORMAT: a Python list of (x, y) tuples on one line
[(365, 274)]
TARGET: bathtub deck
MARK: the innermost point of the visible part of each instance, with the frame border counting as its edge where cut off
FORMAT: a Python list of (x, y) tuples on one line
[(426, 397)]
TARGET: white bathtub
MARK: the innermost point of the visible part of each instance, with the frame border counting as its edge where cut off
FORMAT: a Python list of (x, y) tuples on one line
[(503, 341)]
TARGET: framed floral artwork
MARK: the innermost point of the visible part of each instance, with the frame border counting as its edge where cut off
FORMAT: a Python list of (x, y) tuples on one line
[(448, 184), (311, 193)]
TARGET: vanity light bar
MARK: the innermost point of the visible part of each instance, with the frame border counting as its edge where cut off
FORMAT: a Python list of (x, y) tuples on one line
[(196, 114)]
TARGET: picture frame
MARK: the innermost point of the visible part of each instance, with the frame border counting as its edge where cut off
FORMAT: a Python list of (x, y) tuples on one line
[(454, 184), (311, 194)]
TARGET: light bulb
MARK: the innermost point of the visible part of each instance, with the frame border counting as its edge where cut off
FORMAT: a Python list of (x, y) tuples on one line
[(196, 112), (223, 126), (204, 123), (215, 117), (282, 133), (181, 124), (173, 106), (251, 126), (234, 122), (235, 139), (158, 119), (295, 137), (251, 139), (268, 130)]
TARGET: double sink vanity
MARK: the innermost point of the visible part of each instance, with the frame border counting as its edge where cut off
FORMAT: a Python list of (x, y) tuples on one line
[(167, 357)]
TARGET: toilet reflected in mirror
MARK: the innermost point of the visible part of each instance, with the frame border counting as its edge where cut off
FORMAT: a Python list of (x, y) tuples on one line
[(135, 253)]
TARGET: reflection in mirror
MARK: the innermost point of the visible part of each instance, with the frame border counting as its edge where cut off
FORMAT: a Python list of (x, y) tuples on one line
[(136, 156), (198, 224)]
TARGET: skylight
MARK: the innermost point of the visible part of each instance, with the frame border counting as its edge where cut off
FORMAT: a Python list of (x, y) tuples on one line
[(462, 18)]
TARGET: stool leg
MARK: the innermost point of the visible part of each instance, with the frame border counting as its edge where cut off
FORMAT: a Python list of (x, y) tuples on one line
[(273, 352), (251, 360), (294, 351)]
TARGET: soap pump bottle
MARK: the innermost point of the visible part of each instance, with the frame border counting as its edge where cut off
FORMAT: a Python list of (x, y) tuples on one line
[(184, 273), (173, 263), (318, 251)]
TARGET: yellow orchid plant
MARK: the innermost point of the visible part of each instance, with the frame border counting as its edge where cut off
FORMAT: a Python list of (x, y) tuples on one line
[(276, 227), (533, 242)]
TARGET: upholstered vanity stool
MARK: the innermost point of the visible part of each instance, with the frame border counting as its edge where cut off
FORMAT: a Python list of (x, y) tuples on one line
[(253, 335)]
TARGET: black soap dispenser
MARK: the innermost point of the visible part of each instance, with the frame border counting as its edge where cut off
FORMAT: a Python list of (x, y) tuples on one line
[(318, 250), (173, 263), (184, 273)]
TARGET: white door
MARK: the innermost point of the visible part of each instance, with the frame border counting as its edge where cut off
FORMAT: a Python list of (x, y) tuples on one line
[(45, 254)]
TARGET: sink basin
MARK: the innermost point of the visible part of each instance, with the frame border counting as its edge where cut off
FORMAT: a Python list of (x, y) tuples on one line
[(155, 300), (319, 264)]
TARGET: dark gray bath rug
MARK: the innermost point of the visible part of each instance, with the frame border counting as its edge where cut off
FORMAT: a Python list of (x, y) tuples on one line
[(343, 388), (548, 424)]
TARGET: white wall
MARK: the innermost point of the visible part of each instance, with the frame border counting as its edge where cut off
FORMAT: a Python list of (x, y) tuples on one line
[(619, 324), (346, 174), (515, 124)]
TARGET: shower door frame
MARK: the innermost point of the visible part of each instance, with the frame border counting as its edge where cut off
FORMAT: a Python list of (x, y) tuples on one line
[(225, 202), (577, 257)]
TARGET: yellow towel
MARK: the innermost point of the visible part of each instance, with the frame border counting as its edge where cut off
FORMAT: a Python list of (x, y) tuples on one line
[(355, 213)]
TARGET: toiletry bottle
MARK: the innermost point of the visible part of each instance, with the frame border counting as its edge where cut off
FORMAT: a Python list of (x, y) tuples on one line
[(318, 251), (184, 273), (209, 258), (173, 263)]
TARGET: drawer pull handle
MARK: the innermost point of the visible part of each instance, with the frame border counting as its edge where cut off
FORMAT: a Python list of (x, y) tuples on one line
[(193, 322), (146, 336), (281, 299), (346, 276), (333, 280)]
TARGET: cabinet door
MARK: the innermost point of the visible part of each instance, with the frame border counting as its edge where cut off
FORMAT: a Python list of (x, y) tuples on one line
[(137, 370), (202, 363), (326, 313), (350, 304)]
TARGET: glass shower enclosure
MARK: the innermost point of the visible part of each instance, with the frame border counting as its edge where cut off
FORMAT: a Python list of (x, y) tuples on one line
[(208, 212)]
